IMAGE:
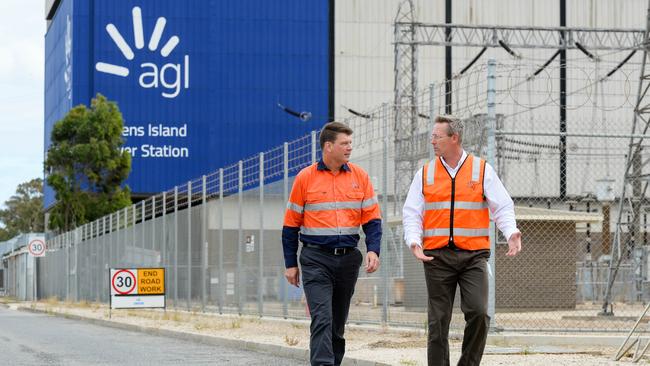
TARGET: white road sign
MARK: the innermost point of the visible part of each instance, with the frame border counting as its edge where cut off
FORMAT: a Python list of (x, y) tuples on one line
[(37, 247)]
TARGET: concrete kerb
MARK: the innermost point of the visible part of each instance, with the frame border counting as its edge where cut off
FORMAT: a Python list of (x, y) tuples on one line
[(276, 350)]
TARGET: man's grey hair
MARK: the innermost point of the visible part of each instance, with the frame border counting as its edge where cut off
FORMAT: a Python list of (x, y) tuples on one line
[(454, 125)]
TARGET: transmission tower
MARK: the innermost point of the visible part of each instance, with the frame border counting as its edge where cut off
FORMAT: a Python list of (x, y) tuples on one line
[(406, 88), (636, 182)]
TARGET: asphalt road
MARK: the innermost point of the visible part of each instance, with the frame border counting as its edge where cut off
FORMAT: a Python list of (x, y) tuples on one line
[(38, 339)]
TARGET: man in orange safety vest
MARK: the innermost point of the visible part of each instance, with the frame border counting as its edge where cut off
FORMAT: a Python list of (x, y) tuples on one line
[(446, 218)]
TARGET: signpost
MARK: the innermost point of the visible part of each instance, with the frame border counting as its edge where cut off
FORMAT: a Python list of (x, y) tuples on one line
[(135, 288), (37, 247)]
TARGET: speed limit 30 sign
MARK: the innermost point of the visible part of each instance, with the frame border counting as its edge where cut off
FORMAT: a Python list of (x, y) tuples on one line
[(123, 282), (37, 247)]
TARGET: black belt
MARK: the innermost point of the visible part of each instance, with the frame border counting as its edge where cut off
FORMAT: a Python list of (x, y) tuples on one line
[(335, 251)]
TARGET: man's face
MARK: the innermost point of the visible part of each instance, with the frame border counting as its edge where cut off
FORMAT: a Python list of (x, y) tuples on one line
[(440, 139), (340, 149)]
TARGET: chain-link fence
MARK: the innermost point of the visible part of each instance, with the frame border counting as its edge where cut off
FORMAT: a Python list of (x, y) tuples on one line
[(219, 236)]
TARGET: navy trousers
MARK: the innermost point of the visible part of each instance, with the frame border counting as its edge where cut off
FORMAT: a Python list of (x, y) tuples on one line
[(328, 282)]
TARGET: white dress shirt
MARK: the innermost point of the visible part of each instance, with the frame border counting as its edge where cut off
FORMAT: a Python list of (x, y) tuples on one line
[(502, 209)]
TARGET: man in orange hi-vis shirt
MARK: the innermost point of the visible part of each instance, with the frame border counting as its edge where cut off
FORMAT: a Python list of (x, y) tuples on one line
[(329, 201), (446, 220)]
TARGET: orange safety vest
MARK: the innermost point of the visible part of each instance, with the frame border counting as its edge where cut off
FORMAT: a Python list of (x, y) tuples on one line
[(455, 210)]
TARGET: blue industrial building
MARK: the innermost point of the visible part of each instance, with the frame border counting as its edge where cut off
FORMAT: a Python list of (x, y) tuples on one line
[(198, 82)]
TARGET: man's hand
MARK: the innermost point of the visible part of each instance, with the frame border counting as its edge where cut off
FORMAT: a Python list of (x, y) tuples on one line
[(293, 276), (514, 244), (419, 253), (372, 262)]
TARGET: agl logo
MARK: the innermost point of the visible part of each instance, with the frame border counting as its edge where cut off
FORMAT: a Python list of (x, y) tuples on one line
[(171, 77)]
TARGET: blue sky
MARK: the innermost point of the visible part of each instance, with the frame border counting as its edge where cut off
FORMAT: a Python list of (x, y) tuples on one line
[(21, 93)]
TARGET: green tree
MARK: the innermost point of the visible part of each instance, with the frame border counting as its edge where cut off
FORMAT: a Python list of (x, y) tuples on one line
[(85, 165), (23, 212)]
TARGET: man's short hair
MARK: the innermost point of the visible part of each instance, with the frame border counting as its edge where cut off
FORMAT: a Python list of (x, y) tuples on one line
[(331, 130), (454, 125)]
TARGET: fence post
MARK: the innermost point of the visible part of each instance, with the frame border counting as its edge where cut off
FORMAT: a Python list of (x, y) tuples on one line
[(222, 280), (78, 234), (204, 240), (96, 272), (144, 215), (176, 246), (432, 114), (384, 214), (123, 242), (110, 251), (189, 245), (491, 114), (105, 257), (163, 259), (285, 197), (153, 223), (260, 248), (126, 225), (117, 238), (241, 289), (313, 146), (66, 242)]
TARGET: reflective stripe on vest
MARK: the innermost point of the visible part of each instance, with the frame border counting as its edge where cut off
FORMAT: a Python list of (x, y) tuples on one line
[(476, 169), (292, 206), (354, 205), (431, 171), (457, 204), (329, 231), (457, 232)]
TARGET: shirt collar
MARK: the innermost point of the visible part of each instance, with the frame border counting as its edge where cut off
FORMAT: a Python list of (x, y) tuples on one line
[(322, 166), (460, 162)]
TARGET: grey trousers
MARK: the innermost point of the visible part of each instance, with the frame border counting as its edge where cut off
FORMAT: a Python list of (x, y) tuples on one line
[(469, 270), (328, 282)]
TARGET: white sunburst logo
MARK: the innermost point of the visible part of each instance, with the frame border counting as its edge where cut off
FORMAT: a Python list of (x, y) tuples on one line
[(172, 77)]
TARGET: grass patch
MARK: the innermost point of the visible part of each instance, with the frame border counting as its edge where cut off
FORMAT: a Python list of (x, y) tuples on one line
[(419, 343), (52, 300), (7, 299), (291, 341), (173, 316), (132, 313), (201, 326), (235, 324), (408, 362)]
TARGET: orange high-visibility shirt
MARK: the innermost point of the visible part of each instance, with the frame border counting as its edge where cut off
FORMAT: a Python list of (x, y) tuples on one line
[(328, 209)]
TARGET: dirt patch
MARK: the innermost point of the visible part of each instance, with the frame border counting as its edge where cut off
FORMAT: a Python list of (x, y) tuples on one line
[(420, 343)]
